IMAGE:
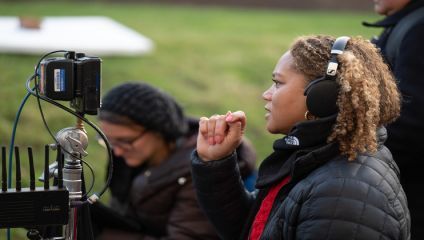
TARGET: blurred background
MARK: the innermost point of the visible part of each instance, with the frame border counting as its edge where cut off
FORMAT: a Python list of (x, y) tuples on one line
[(211, 55)]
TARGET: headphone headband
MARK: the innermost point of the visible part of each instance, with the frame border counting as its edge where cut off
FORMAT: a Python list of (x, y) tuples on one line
[(338, 48), (339, 45)]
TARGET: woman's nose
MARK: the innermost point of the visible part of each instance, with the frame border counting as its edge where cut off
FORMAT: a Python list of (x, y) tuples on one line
[(267, 95), (118, 151)]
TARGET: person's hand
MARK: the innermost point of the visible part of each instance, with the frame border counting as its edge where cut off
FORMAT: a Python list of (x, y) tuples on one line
[(220, 135)]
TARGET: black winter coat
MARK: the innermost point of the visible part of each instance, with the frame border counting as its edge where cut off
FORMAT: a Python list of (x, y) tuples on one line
[(328, 196), (405, 135), (408, 70)]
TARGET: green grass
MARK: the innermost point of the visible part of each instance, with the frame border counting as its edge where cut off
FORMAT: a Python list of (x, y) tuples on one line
[(210, 59)]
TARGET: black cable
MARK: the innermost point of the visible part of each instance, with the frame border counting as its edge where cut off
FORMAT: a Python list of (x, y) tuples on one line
[(109, 149), (86, 121), (93, 178), (37, 95)]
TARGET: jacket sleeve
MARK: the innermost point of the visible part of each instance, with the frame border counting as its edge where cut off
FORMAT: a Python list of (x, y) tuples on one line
[(221, 194)]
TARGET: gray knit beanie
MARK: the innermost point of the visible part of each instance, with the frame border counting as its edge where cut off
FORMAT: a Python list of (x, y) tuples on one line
[(148, 107)]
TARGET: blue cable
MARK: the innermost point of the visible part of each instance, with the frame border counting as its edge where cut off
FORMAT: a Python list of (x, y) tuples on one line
[(12, 144), (12, 141)]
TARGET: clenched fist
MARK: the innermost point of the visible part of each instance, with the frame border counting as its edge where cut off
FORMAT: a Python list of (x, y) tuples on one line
[(220, 135)]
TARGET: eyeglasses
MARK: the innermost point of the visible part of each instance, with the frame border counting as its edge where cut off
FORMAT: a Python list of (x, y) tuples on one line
[(126, 144)]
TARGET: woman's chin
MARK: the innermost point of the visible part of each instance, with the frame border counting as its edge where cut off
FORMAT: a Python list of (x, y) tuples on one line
[(270, 129)]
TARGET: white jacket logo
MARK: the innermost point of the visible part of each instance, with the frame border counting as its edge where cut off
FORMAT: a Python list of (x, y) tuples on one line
[(292, 140)]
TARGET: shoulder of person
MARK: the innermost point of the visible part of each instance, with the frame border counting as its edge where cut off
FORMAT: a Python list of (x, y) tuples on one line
[(368, 172), (415, 35), (365, 191), (406, 38)]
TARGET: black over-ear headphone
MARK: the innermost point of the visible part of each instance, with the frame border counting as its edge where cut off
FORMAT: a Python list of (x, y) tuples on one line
[(321, 93)]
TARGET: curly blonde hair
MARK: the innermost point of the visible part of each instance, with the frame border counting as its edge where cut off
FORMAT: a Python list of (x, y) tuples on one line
[(368, 96)]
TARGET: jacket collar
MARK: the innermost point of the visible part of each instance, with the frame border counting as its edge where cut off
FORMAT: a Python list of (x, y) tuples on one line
[(298, 160), (304, 138), (306, 134), (393, 19)]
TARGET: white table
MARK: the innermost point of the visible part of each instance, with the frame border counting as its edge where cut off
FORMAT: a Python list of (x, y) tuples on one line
[(93, 35)]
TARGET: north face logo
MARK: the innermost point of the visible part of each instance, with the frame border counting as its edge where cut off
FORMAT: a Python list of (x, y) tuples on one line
[(292, 140)]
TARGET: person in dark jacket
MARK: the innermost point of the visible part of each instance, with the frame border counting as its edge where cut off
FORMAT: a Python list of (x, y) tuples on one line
[(152, 195), (330, 176), (405, 134)]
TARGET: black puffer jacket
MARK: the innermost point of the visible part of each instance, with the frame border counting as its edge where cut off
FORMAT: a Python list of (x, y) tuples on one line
[(328, 196)]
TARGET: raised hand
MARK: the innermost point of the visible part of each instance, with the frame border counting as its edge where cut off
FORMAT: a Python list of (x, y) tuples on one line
[(220, 135)]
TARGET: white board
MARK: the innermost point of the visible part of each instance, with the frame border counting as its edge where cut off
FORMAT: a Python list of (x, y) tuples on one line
[(100, 36)]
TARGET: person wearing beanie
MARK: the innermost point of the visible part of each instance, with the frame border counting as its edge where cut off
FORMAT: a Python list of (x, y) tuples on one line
[(152, 195), (401, 44)]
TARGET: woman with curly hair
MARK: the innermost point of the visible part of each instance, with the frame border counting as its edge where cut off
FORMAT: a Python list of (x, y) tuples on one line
[(330, 176)]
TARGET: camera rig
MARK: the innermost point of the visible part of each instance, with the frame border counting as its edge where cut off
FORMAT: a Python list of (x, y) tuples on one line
[(75, 78)]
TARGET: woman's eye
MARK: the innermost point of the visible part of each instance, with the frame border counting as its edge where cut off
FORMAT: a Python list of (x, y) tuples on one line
[(277, 83)]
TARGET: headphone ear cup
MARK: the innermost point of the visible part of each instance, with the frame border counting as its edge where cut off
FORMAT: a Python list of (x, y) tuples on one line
[(321, 98)]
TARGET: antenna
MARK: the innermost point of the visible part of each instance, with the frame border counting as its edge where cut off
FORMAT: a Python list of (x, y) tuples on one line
[(59, 160), (31, 170), (18, 169), (3, 169)]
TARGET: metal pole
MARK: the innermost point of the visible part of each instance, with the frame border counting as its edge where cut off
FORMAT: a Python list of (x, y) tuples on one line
[(74, 141)]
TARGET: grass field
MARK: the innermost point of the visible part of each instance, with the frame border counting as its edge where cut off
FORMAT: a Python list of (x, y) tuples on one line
[(210, 59)]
